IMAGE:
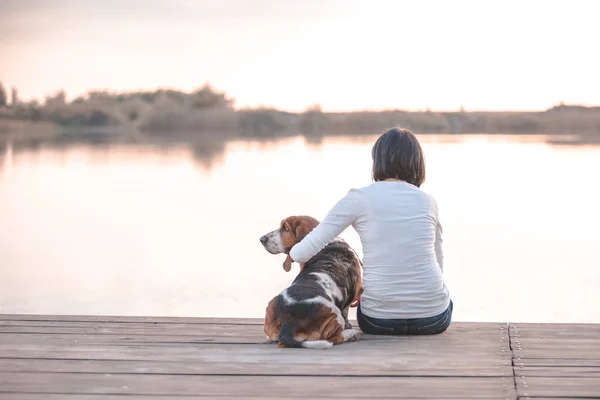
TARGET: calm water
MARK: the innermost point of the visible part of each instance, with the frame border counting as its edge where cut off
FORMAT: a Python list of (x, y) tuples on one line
[(140, 230)]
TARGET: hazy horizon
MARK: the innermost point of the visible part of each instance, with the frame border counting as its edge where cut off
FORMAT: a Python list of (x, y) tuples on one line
[(343, 55)]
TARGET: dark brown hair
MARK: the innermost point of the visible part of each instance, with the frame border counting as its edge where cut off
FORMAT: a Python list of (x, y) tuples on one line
[(397, 154)]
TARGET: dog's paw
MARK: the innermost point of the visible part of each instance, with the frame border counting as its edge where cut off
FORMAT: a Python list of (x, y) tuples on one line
[(271, 339), (351, 335)]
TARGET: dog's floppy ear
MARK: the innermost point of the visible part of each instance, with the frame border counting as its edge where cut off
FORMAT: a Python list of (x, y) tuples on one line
[(297, 230), (297, 227), (302, 226), (287, 264)]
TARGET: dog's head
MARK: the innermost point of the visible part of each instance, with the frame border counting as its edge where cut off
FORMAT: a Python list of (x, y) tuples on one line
[(291, 231)]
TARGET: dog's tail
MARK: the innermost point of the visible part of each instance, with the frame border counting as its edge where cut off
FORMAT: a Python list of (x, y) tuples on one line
[(286, 339)]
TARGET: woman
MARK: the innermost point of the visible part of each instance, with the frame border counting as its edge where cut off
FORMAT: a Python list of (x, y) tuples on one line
[(398, 224)]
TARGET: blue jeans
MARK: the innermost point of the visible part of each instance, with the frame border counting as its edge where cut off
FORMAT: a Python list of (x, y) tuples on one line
[(414, 326)]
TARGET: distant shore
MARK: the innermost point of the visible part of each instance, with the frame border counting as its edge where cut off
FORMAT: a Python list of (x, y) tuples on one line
[(164, 113)]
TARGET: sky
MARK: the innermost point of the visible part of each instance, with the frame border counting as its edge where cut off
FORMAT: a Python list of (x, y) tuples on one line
[(290, 54)]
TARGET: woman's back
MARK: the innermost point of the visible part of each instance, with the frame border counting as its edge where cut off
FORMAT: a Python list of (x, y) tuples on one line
[(401, 239)]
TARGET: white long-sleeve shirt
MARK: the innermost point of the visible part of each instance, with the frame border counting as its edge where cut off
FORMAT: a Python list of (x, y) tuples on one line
[(401, 236)]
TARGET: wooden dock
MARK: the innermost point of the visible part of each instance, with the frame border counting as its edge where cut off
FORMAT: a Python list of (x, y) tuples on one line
[(134, 358)]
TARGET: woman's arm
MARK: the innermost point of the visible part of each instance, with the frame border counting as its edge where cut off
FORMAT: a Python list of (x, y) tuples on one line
[(439, 253), (339, 218)]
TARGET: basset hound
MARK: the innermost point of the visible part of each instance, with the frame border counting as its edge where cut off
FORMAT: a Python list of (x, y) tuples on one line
[(312, 312)]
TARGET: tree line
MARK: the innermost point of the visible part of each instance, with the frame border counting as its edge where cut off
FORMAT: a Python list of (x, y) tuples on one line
[(165, 112)]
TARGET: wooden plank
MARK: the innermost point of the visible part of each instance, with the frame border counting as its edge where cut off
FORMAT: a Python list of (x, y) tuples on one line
[(541, 352), (358, 367), (136, 339), (128, 328), (561, 387), (215, 330), (555, 371), (130, 319), (517, 341), (464, 333), (355, 352), (476, 342), (263, 386), (120, 328), (555, 327), (455, 339), (484, 328), (170, 334), (205, 330), (558, 332), (557, 362), (162, 322), (556, 342), (68, 396), (555, 331), (552, 398)]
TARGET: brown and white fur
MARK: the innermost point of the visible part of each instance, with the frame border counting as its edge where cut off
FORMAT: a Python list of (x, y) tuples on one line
[(313, 311)]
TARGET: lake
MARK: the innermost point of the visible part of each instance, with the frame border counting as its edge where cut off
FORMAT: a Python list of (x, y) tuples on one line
[(136, 229)]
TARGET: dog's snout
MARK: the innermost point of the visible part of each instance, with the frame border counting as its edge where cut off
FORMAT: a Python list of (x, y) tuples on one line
[(271, 241)]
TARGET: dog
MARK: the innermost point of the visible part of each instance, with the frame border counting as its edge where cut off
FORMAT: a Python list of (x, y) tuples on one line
[(312, 313)]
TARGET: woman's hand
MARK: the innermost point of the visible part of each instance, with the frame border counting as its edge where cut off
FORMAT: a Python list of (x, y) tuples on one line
[(355, 303)]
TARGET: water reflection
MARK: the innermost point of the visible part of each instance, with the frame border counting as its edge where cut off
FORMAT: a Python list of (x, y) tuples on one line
[(574, 140), (208, 150), (6, 152)]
